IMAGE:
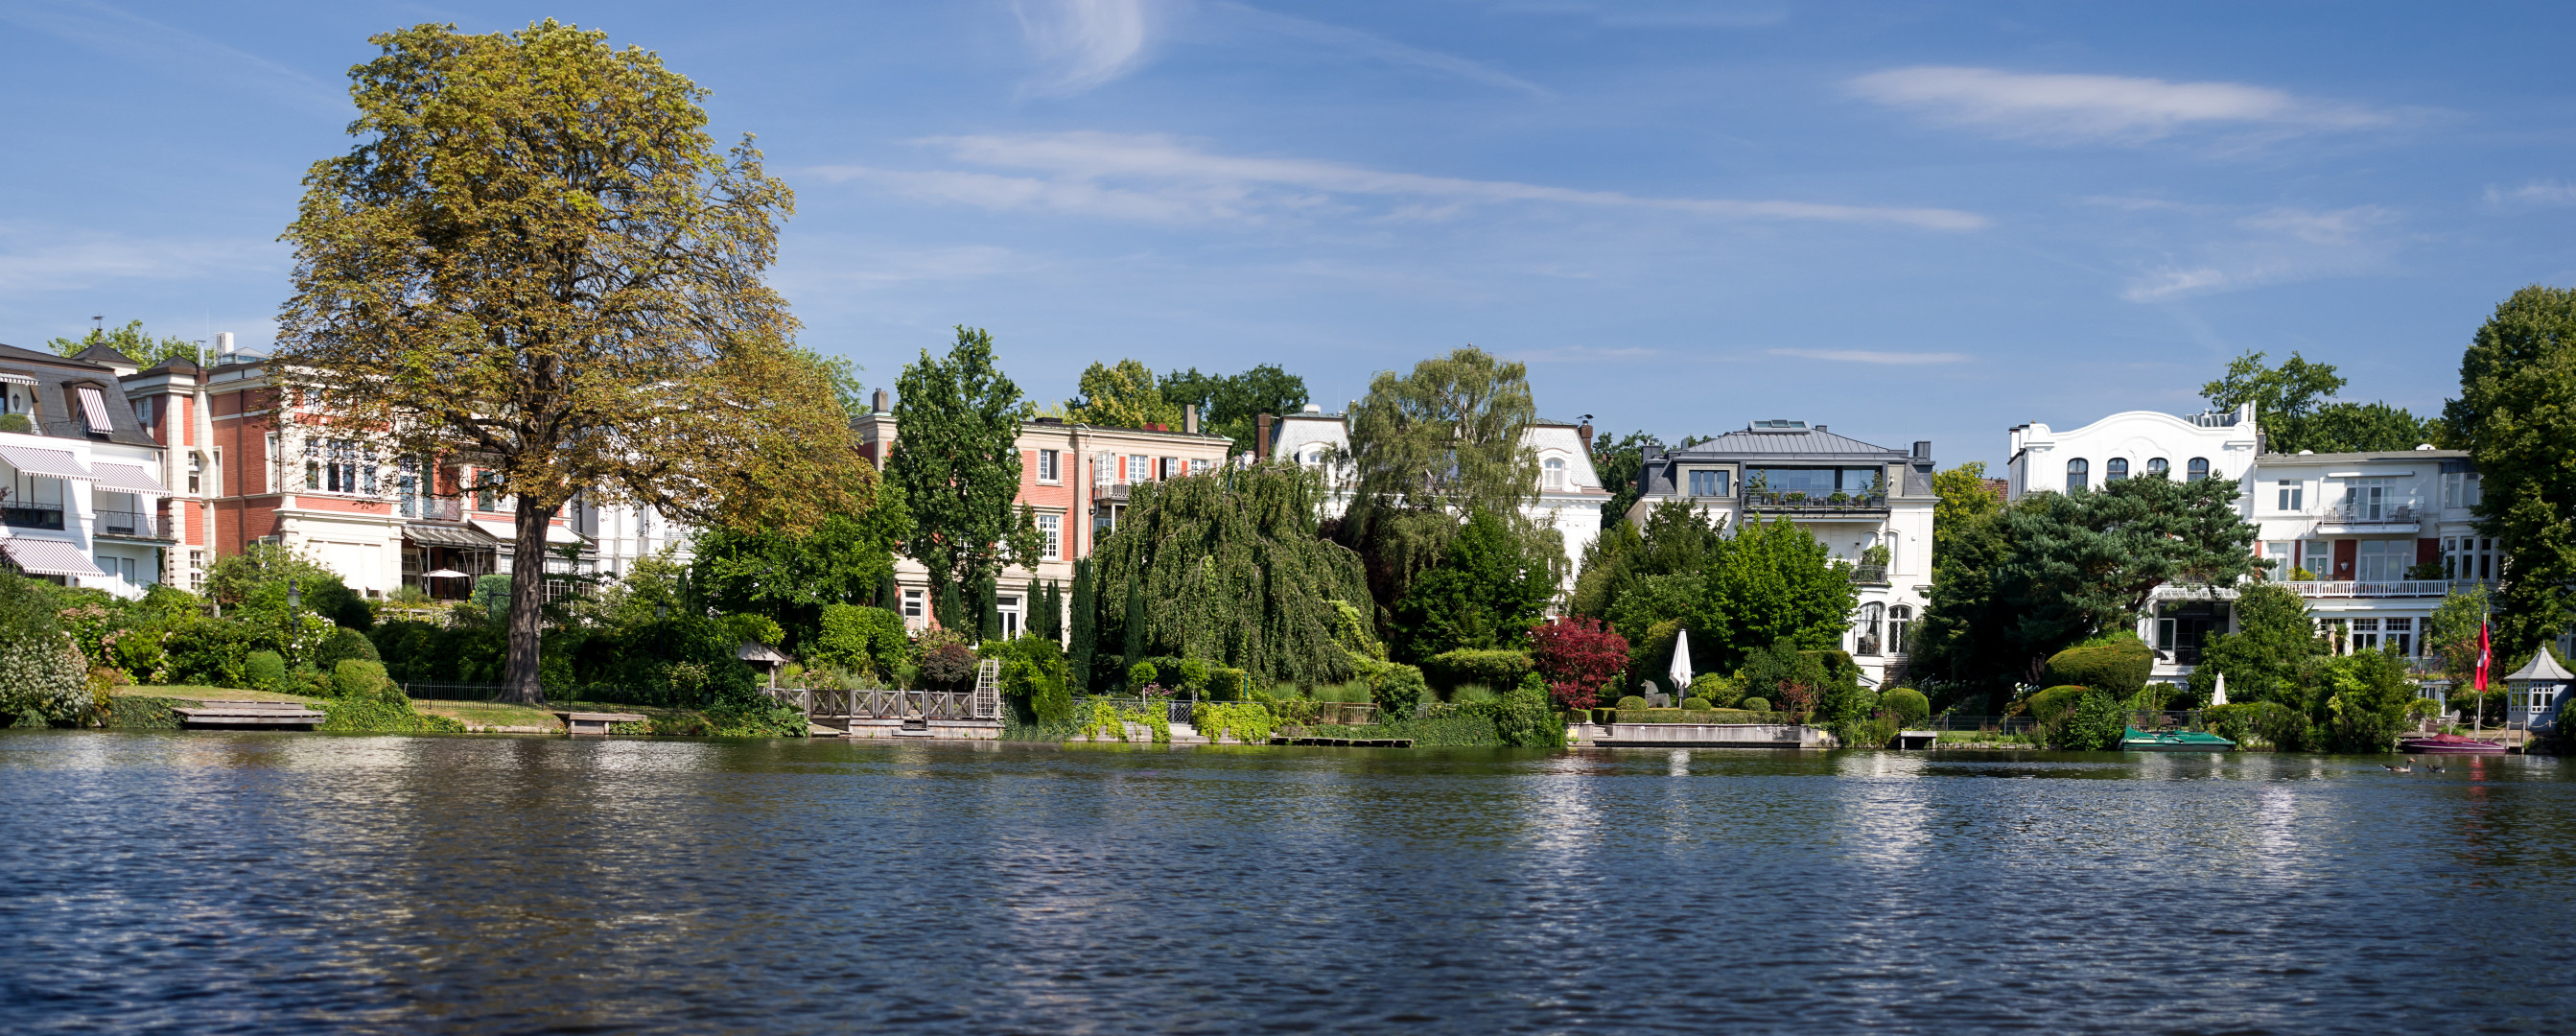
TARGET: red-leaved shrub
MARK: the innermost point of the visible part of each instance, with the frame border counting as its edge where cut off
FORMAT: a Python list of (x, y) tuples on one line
[(1577, 657)]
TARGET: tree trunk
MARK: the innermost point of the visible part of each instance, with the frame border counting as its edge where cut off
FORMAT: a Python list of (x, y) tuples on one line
[(527, 599)]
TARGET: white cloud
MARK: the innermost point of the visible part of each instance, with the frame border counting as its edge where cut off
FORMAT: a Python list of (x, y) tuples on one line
[(2093, 108), (1085, 42), (888, 268), (33, 259), (2274, 246), (1583, 354), (2538, 194), (1158, 178), (1355, 42), (1871, 356)]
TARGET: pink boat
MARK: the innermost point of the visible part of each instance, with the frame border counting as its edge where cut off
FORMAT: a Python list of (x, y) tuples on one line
[(2448, 744)]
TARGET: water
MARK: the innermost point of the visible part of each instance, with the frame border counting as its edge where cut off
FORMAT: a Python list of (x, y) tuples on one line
[(264, 882)]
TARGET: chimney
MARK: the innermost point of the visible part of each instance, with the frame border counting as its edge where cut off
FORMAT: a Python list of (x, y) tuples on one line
[(1820, 428), (1261, 438), (1585, 430), (1190, 418), (878, 403), (1923, 449)]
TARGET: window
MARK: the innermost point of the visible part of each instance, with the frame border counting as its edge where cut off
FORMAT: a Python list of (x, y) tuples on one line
[(2320, 564), (1814, 481), (275, 463), (2115, 469), (2076, 471), (912, 607), (2460, 489), (2399, 634), (1555, 474), (2159, 468), (339, 466), (1201, 465), (1140, 468), (407, 486), (2199, 469), (2383, 561), (196, 570), (2292, 497), (1900, 629), (2365, 635), (1009, 606), (1048, 466), (2468, 557), (1866, 640), (486, 485), (2365, 499), (1051, 526), (2276, 557), (196, 471), (1104, 469), (1708, 483)]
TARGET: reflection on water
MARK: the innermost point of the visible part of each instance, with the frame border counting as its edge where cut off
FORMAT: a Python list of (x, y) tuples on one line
[(281, 882)]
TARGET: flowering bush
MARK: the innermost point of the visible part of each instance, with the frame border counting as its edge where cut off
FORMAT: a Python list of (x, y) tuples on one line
[(1577, 657)]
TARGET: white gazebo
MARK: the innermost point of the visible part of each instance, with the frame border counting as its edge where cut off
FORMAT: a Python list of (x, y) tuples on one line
[(2537, 689)]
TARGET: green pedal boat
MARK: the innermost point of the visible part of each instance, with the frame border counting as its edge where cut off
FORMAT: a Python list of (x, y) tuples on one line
[(2136, 740)]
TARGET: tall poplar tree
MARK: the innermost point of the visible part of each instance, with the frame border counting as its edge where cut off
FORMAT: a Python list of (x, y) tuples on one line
[(957, 460), (2517, 417), (537, 261)]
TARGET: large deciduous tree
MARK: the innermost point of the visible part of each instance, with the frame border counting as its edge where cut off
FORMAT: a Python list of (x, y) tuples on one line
[(1121, 395), (1485, 593), (132, 341), (537, 261), (1771, 582), (1229, 404), (957, 461), (1618, 461), (2292, 407), (1428, 448), (791, 578), (2516, 415)]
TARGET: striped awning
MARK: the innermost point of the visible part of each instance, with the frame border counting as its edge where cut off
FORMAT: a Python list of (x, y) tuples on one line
[(48, 557), (448, 535), (506, 532), (94, 407), (127, 477), (56, 463)]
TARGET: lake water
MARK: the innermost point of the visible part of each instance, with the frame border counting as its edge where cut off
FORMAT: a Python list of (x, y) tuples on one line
[(267, 882)]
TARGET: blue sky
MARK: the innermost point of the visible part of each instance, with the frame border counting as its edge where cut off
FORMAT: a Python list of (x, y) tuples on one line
[(1906, 220)]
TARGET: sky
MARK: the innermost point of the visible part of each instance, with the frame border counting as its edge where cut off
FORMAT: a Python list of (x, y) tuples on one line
[(1911, 220)]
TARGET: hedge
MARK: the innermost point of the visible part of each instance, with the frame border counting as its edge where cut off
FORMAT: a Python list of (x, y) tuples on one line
[(2120, 667), (1499, 669), (2053, 704), (1907, 704)]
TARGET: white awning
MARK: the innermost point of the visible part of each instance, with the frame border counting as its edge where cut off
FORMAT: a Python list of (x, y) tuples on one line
[(127, 477), (94, 407), (14, 376), (49, 557), (56, 463), (509, 533)]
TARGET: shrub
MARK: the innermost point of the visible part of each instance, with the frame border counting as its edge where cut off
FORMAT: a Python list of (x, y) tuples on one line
[(265, 670), (44, 679), (1631, 702), (1754, 705), (1717, 689), (949, 666), (1248, 722), (360, 678), (1226, 683), (868, 640), (2119, 668), (2095, 724), (1577, 657), (344, 643), (1036, 671), (1398, 689), (210, 652), (1906, 705), (1494, 667), (1194, 675), (1470, 693), (1354, 691), (2053, 704), (1696, 705), (1140, 674), (378, 716), (1523, 717)]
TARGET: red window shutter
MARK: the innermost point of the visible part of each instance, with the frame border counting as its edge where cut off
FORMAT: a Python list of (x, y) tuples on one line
[(2428, 551)]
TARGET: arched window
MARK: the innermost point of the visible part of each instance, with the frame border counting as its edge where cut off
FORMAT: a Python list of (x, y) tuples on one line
[(2199, 468), (1867, 641), (1900, 629), (2115, 469), (2159, 468), (2076, 472), (1555, 467)]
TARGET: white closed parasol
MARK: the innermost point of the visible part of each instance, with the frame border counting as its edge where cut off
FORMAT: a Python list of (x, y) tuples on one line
[(1681, 670)]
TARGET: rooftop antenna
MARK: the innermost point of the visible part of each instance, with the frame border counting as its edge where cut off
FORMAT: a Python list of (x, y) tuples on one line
[(98, 333)]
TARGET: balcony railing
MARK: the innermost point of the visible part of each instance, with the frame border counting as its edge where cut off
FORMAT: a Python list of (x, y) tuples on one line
[(31, 516), (2369, 514), (55, 429), (1871, 575), (2377, 588), (133, 523), (1767, 501), (434, 510)]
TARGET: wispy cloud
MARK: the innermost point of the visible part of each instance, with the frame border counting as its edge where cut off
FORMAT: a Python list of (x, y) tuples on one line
[(1375, 48), (2065, 109), (889, 268), (2538, 194), (142, 42), (1084, 43), (2274, 246), (1871, 356), (45, 259), (1583, 354), (1159, 178)]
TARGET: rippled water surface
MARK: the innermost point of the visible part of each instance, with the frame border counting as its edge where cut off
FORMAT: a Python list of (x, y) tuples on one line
[(269, 882)]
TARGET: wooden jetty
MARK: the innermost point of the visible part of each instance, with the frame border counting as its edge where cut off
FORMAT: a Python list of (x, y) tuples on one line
[(233, 715), (596, 722), (974, 715)]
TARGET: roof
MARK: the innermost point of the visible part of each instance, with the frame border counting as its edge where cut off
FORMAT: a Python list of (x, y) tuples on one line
[(56, 380), (754, 651), (1788, 442), (2349, 458), (102, 353), (2543, 668)]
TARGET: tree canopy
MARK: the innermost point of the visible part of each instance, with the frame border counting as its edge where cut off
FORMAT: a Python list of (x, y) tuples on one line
[(2294, 411), (2516, 416), (1229, 403), (2269, 656), (537, 260), (144, 349), (2086, 562), (1121, 395), (1619, 461), (1430, 446), (1486, 593), (956, 460), (1770, 583), (791, 578)]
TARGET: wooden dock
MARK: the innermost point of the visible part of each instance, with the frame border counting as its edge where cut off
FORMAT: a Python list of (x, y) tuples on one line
[(288, 715)]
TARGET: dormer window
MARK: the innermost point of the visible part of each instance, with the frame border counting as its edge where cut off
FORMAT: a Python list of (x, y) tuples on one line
[(1555, 474), (1708, 483)]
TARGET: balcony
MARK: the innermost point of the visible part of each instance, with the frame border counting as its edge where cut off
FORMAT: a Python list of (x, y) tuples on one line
[(54, 429), (434, 510), (1869, 575), (1110, 491), (133, 524), (1817, 503), (31, 516), (2379, 588), (2365, 518)]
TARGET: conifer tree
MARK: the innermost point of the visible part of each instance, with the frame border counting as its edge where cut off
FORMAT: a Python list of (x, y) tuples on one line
[(1086, 644)]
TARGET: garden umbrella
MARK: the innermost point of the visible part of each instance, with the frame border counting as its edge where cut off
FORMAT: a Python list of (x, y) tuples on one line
[(2220, 698), (1681, 670), (442, 573)]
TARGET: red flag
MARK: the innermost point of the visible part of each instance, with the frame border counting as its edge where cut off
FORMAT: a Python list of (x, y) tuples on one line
[(2486, 654)]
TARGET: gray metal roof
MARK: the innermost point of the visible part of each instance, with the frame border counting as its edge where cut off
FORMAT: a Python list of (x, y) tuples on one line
[(59, 404), (1804, 443)]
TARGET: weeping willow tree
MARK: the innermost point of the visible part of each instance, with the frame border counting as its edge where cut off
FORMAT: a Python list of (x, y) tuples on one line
[(1228, 567)]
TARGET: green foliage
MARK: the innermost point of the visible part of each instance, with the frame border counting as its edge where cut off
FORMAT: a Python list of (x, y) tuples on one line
[(1228, 568), (1484, 594), (2052, 704), (1755, 705), (1967, 643), (1696, 705), (791, 579), (1442, 441), (1907, 705), (382, 716), (2452, 633), (1035, 671), (751, 629), (1490, 667), (1248, 722), (211, 652), (1618, 461), (43, 675), (956, 461), (1229, 404), (251, 587), (2290, 407), (266, 670), (1768, 582), (1631, 703), (1719, 690), (1398, 689), (363, 678), (2367, 697), (1521, 718), (2094, 724), (2119, 668), (1797, 681), (2271, 654), (1140, 674), (1085, 620), (1961, 501), (344, 644), (146, 351), (491, 595), (2086, 562), (2516, 415), (1122, 395), (869, 640)]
